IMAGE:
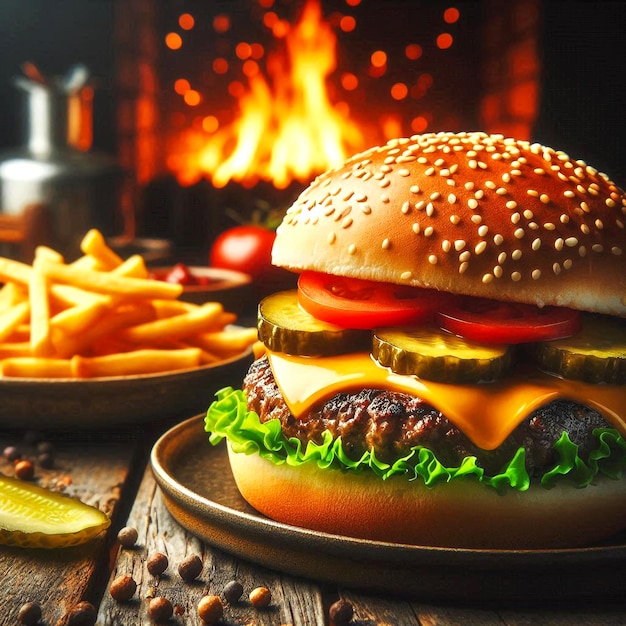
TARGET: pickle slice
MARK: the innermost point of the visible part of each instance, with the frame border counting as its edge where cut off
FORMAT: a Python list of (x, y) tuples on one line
[(284, 326), (597, 354), (436, 355), (34, 517)]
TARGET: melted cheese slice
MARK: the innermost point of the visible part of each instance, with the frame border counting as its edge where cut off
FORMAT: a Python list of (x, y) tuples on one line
[(486, 413)]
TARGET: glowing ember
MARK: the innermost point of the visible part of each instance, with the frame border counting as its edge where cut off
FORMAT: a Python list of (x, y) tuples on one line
[(286, 128)]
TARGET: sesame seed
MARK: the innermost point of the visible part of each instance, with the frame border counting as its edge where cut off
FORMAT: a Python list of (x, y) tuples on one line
[(502, 258), (473, 164), (571, 242), (516, 276), (455, 219), (490, 184), (476, 218), (366, 208), (556, 268), (331, 238), (544, 198), (428, 231), (558, 244), (351, 248), (585, 229), (515, 218), (480, 247), (432, 259), (610, 203), (597, 247), (567, 264), (429, 172), (469, 186), (465, 256), (536, 244), (347, 222), (511, 204), (599, 224), (414, 189), (404, 172), (416, 228), (519, 233), (406, 275), (446, 245), (430, 209), (472, 203), (539, 171), (568, 193), (420, 205), (497, 271), (479, 194), (564, 219), (459, 244), (582, 251), (483, 230), (516, 255), (451, 198), (536, 274), (616, 250), (386, 244), (487, 278), (435, 195), (384, 183), (463, 267), (498, 239), (406, 208), (501, 191), (549, 226), (533, 193)]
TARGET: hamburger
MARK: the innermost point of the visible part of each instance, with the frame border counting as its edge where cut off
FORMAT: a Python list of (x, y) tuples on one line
[(451, 369)]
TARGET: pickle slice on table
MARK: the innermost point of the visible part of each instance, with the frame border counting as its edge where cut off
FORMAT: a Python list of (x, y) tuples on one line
[(436, 355), (597, 354), (284, 326), (34, 517)]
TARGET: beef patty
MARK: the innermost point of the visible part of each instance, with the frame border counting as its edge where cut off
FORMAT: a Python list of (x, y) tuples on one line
[(391, 423)]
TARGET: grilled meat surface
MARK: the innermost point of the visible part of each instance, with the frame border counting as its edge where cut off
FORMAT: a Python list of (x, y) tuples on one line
[(391, 423)]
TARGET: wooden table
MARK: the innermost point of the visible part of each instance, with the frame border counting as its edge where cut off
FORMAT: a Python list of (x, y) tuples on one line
[(112, 471)]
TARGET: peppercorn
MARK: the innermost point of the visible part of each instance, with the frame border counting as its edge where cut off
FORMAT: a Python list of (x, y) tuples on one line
[(232, 591), (127, 536), (12, 453), (160, 609), (157, 564), (45, 460), (83, 614), (24, 470), (340, 613), (123, 588), (210, 609), (260, 597), (29, 614), (189, 569)]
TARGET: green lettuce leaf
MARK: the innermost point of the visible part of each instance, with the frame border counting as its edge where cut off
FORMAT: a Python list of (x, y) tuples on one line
[(229, 418)]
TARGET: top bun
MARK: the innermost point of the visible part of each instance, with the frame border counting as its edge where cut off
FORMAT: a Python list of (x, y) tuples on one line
[(467, 213)]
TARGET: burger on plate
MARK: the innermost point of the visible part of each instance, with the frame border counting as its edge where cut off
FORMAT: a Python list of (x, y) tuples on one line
[(451, 370)]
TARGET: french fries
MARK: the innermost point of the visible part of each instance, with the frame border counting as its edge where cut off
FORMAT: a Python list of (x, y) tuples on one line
[(101, 316)]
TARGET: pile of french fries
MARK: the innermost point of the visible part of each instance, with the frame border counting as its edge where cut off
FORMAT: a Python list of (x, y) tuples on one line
[(101, 316)]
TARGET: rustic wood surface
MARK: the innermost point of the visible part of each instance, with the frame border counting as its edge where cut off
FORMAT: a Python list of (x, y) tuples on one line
[(113, 474)]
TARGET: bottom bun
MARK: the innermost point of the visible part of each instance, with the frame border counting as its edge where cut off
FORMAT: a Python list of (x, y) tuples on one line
[(462, 513)]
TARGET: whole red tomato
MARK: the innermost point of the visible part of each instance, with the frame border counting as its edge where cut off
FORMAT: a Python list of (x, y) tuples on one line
[(245, 249)]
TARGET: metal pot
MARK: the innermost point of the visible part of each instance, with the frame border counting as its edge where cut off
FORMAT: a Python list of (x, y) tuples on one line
[(51, 192)]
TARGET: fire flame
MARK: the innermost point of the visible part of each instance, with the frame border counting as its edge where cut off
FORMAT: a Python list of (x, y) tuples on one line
[(286, 126)]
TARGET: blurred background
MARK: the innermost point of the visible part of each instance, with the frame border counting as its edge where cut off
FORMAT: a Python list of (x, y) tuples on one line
[(217, 111)]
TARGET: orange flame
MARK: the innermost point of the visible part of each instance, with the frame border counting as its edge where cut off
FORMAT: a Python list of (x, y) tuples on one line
[(286, 128)]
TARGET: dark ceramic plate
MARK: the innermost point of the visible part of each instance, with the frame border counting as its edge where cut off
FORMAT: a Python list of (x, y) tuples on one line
[(201, 495), (100, 403)]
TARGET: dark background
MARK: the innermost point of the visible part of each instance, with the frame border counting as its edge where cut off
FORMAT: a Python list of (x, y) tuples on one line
[(583, 91)]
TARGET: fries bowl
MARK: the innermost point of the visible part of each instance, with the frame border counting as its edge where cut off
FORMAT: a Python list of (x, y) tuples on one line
[(100, 403)]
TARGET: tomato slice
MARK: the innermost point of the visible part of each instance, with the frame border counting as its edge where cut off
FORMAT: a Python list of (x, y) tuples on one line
[(355, 303), (491, 321)]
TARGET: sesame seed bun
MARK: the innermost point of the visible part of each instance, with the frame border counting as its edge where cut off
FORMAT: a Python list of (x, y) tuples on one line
[(467, 213), (460, 514)]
